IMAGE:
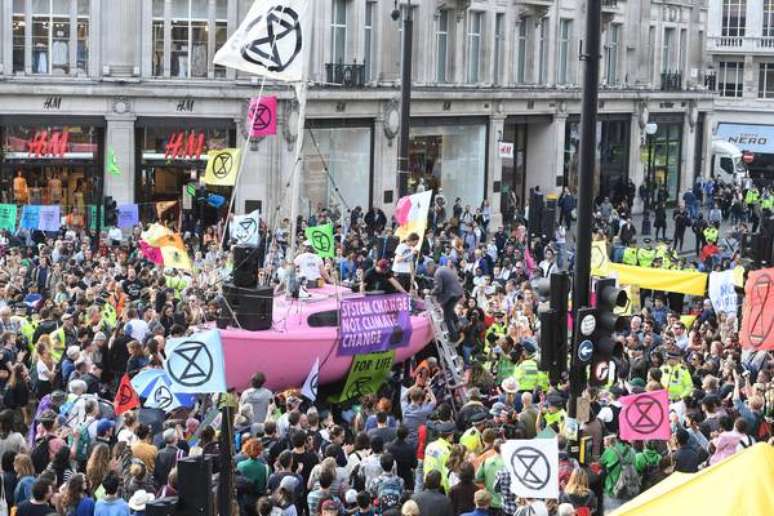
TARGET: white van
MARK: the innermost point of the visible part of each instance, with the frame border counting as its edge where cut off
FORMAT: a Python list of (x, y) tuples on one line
[(727, 164)]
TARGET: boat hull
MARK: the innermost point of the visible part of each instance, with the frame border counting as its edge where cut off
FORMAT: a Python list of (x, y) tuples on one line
[(286, 352)]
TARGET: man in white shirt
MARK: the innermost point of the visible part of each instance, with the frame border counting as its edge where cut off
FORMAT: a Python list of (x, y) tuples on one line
[(405, 254), (311, 266), (135, 327)]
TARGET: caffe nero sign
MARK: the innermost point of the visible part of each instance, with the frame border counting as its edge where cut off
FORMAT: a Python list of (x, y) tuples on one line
[(748, 137)]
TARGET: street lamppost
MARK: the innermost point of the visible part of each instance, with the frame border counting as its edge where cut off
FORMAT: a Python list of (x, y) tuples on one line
[(405, 95)]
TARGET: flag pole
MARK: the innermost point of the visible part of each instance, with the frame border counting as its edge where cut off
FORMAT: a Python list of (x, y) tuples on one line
[(301, 96)]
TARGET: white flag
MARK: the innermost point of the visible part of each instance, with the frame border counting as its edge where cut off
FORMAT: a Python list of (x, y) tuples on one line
[(534, 467), (270, 42), (245, 228), (309, 390), (162, 397)]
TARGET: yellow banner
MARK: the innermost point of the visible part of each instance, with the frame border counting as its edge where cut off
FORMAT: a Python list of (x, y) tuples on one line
[(685, 282), (222, 167), (599, 259)]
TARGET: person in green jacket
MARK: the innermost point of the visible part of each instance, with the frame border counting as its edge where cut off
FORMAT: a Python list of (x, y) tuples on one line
[(611, 460), (647, 462)]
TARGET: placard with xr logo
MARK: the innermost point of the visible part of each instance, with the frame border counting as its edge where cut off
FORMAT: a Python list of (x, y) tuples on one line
[(534, 467), (644, 416), (758, 311)]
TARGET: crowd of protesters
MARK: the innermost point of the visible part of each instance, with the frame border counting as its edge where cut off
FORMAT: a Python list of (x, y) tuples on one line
[(77, 313)]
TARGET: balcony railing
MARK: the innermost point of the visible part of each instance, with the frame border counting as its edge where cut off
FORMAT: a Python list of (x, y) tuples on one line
[(710, 80), (345, 75), (609, 4), (737, 44), (671, 81)]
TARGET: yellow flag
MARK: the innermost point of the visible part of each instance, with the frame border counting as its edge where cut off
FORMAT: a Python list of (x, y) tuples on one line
[(222, 167), (599, 259), (175, 258), (163, 206)]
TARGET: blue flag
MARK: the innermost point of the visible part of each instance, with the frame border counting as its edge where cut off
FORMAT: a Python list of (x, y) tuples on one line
[(195, 364), (30, 217)]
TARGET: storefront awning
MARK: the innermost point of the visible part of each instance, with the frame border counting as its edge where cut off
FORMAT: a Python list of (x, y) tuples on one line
[(748, 137)]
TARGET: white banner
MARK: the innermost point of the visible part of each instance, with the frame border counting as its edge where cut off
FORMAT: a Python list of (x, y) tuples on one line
[(271, 41), (534, 467), (245, 228), (722, 292)]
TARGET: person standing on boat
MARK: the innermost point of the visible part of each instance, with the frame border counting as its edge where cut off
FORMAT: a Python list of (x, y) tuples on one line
[(380, 278), (311, 266), (447, 292), (405, 256)]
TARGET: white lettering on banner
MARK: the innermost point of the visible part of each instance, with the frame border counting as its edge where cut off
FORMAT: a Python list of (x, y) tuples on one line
[(505, 149), (722, 292)]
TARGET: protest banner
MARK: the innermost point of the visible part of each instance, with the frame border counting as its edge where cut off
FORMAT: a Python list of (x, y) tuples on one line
[(321, 238), (8, 217), (758, 311), (645, 416), (49, 218), (533, 465), (262, 117), (366, 374), (30, 217), (128, 215), (374, 323), (195, 364), (684, 282), (722, 292), (222, 167)]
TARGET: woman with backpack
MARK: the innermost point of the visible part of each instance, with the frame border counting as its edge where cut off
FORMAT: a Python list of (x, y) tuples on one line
[(622, 482), (577, 493)]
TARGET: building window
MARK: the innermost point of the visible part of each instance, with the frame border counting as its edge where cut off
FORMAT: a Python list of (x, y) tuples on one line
[(339, 31), (542, 54), (768, 19), (521, 54), (611, 54), (766, 81), (60, 36), (733, 18), (474, 45), (667, 51), (190, 52), (731, 79), (565, 38), (499, 44), (368, 29), (442, 46)]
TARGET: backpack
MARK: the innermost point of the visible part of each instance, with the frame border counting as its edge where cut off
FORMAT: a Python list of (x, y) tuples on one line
[(628, 484), (389, 493), (40, 454), (652, 475), (357, 477), (84, 442)]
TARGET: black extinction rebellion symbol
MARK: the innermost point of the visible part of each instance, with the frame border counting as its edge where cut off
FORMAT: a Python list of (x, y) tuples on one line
[(358, 388), (163, 397), (125, 395), (321, 241), (645, 415), (191, 364), (262, 117), (274, 39), (246, 229), (222, 164), (531, 467)]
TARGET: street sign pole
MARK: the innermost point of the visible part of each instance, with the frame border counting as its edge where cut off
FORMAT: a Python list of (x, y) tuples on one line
[(584, 224)]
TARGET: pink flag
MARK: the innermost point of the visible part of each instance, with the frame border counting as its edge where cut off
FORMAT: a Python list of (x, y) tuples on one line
[(151, 253), (262, 114), (644, 417)]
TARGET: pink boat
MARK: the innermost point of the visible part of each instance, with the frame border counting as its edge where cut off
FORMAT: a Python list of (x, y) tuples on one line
[(286, 352)]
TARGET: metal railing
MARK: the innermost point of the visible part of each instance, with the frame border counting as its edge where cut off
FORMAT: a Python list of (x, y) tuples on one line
[(346, 75), (671, 81), (711, 80)]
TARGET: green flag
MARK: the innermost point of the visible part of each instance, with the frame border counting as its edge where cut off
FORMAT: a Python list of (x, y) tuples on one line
[(321, 238), (366, 374), (112, 163), (8, 217), (92, 216)]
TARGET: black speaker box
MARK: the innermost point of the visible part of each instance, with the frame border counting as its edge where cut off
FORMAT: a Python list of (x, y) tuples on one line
[(194, 483), (548, 223), (163, 507), (252, 307), (246, 265)]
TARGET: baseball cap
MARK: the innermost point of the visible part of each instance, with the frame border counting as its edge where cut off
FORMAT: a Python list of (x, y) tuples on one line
[(497, 408), (289, 483), (104, 426)]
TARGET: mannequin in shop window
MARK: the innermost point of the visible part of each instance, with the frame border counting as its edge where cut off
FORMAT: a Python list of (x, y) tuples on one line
[(20, 191), (36, 192), (79, 195), (54, 188)]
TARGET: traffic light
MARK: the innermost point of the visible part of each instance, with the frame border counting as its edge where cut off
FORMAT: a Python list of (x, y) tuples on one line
[(111, 211), (553, 327), (605, 347)]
